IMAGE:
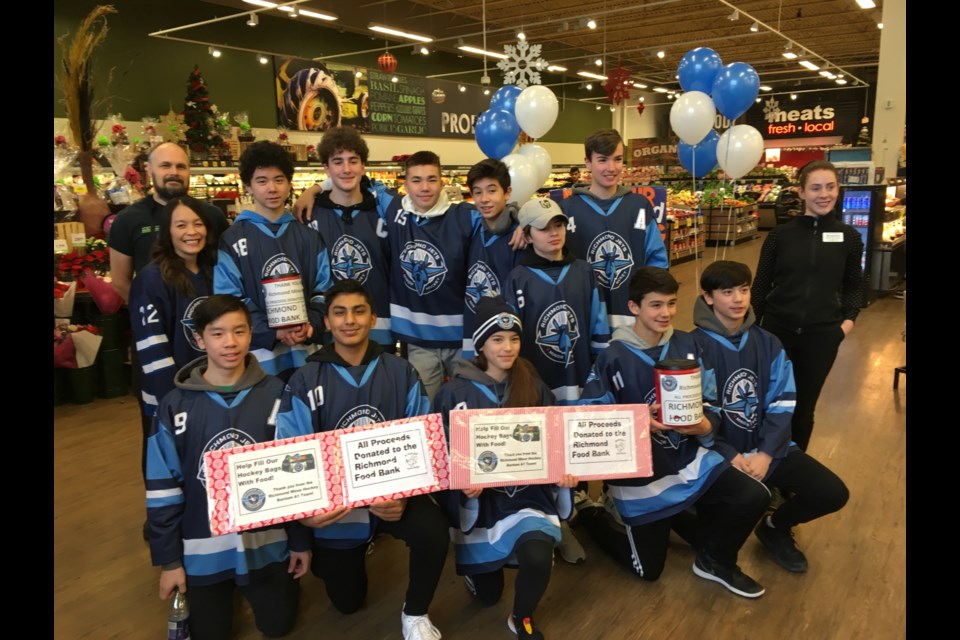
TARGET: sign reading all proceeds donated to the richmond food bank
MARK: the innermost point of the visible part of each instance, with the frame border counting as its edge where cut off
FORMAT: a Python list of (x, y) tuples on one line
[(269, 483), (538, 445)]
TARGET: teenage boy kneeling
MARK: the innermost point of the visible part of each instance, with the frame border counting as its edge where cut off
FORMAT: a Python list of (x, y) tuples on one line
[(755, 397), (352, 382), (221, 400)]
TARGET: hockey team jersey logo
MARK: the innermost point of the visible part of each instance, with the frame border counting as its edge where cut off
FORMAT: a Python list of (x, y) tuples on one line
[(481, 281), (611, 259), (226, 439), (558, 332), (364, 414), (740, 401), (187, 322), (510, 491), (350, 259), (423, 267)]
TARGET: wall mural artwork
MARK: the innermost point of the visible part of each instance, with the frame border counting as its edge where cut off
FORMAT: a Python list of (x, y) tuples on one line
[(313, 96)]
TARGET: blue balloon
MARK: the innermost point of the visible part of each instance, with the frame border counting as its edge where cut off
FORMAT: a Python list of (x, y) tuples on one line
[(698, 69), (506, 98), (701, 158), (735, 89), (497, 132)]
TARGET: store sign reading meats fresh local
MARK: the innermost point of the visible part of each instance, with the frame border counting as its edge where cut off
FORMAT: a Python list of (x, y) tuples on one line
[(805, 117)]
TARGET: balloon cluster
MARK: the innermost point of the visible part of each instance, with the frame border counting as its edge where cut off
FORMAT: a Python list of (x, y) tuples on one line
[(708, 87), (512, 109)]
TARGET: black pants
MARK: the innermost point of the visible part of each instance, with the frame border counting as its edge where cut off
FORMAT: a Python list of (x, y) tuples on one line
[(425, 531), (812, 355), (534, 565), (817, 490), (726, 514), (273, 595)]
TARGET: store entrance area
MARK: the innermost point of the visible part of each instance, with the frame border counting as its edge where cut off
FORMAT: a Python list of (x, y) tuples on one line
[(104, 586)]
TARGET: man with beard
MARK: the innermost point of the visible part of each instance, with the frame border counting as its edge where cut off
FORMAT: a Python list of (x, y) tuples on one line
[(135, 229)]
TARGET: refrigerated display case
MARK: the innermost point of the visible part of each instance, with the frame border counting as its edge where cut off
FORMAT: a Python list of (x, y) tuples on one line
[(863, 207)]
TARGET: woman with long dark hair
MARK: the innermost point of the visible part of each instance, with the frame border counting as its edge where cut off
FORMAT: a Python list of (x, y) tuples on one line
[(164, 294), (516, 526), (808, 288)]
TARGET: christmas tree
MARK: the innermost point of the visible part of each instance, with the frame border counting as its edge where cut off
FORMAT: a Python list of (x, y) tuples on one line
[(199, 116), (863, 138)]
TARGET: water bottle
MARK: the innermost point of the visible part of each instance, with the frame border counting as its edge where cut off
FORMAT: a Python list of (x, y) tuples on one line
[(177, 623)]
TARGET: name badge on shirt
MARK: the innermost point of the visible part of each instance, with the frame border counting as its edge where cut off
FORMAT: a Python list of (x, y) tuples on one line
[(641, 219), (833, 236)]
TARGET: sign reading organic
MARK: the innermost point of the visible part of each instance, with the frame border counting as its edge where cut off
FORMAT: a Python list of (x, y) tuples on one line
[(646, 152)]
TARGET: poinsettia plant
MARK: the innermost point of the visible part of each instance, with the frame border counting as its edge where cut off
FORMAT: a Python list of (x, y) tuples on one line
[(97, 260)]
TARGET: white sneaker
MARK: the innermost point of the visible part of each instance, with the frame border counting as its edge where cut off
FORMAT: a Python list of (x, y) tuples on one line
[(418, 628), (570, 548)]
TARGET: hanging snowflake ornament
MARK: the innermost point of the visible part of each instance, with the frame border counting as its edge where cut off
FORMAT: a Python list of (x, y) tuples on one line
[(523, 64), (618, 85)]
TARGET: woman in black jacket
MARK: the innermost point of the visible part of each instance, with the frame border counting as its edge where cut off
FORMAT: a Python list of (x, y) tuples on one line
[(808, 288)]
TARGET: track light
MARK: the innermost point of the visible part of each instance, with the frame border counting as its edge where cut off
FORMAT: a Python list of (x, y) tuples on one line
[(214, 52), (521, 35), (294, 12), (879, 25), (612, 109), (394, 79), (253, 20), (486, 92), (359, 74), (598, 62), (661, 54), (424, 51), (599, 107), (755, 27), (262, 59), (793, 96), (591, 24), (734, 16), (462, 88)]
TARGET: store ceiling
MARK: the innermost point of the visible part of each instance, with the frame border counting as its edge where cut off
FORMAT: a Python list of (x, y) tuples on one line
[(833, 34)]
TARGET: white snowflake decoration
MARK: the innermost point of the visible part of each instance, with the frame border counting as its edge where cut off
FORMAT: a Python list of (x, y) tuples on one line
[(523, 64), (771, 108)]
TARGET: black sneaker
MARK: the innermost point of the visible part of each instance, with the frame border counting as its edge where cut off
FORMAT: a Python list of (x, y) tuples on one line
[(732, 578), (781, 544), (524, 628)]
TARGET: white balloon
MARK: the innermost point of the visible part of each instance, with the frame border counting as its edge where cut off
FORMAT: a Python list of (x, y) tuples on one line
[(540, 159), (692, 116), (739, 150), (523, 177), (536, 110)]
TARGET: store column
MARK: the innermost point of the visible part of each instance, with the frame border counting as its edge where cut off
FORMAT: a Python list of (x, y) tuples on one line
[(890, 109)]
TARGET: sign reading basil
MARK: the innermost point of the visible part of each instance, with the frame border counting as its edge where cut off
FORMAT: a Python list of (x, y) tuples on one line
[(398, 108)]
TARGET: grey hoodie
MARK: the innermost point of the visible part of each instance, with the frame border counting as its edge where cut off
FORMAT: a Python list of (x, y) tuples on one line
[(704, 318), (626, 334), (190, 377), (503, 221), (621, 191)]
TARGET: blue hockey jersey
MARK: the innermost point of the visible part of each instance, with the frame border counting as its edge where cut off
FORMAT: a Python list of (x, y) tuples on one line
[(429, 272), (486, 530), (683, 467), (564, 320), (357, 240), (253, 251), (192, 419), (755, 393), (489, 261), (616, 236), (162, 326), (327, 393)]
